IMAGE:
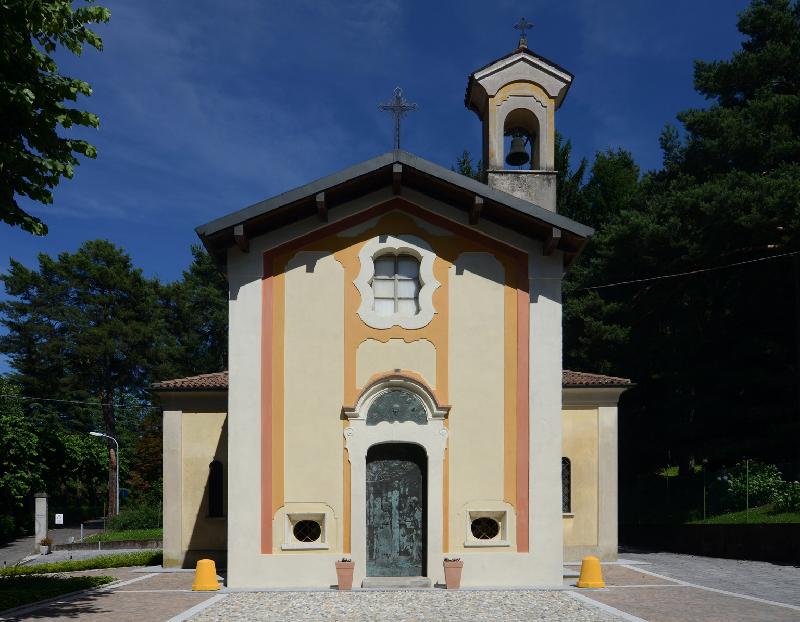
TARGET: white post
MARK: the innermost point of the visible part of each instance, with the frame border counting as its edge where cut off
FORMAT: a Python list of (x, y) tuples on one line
[(40, 523)]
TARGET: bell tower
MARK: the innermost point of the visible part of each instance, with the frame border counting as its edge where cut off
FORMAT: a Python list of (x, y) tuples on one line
[(516, 97)]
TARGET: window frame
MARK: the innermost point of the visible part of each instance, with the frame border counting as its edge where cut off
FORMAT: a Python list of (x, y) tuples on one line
[(396, 279), (402, 244), (566, 486)]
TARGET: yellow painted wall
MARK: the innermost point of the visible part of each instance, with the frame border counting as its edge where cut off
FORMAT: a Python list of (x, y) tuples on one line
[(580, 445), (313, 392), (375, 357), (204, 439), (476, 368)]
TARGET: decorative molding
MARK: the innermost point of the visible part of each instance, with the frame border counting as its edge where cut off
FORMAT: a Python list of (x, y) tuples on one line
[(401, 244), (395, 381), (431, 436)]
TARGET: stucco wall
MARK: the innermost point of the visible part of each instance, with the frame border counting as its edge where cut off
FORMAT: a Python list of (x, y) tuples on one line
[(204, 440), (313, 394), (580, 445), (476, 367), (376, 357)]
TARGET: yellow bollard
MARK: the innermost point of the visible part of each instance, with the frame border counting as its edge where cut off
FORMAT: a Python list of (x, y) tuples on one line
[(591, 574), (205, 576)]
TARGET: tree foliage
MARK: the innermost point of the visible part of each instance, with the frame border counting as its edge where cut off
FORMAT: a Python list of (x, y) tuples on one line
[(84, 326), (20, 464), (34, 157), (715, 354), (87, 334)]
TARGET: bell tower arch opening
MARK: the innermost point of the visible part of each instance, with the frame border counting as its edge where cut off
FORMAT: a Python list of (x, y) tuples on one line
[(521, 140)]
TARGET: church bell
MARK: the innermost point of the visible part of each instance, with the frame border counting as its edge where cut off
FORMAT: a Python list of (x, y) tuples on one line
[(517, 155)]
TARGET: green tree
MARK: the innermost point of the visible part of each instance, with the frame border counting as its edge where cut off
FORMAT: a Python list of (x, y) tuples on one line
[(33, 156), (465, 166), (20, 463), (85, 327), (197, 312), (712, 352)]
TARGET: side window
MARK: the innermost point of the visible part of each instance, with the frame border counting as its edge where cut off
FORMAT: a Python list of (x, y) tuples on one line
[(566, 486), (215, 491)]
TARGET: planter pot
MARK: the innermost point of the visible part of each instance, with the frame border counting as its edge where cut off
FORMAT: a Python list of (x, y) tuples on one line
[(452, 574), (44, 550), (344, 575)]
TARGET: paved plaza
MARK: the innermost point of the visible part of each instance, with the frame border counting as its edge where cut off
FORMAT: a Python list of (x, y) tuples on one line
[(654, 587)]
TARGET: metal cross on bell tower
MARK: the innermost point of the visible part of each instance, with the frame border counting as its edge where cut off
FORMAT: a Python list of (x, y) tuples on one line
[(398, 107), (522, 26)]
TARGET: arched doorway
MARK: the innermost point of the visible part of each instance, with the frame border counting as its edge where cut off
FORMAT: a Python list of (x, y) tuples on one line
[(396, 516)]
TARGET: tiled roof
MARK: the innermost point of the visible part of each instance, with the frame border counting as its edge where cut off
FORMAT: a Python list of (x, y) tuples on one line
[(219, 381), (582, 379), (205, 382)]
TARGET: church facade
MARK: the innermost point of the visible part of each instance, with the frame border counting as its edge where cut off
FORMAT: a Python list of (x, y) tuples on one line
[(395, 393)]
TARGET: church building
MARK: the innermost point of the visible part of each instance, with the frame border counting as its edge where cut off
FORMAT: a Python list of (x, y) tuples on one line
[(395, 392)]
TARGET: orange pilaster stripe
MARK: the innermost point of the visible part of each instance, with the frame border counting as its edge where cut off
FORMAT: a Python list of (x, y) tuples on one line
[(523, 423), (266, 404)]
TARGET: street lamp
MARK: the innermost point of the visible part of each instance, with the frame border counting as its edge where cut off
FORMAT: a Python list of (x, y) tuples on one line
[(116, 510)]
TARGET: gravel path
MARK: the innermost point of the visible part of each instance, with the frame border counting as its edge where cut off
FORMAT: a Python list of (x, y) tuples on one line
[(397, 606)]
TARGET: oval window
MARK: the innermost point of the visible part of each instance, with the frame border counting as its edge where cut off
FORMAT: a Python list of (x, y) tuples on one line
[(485, 528), (307, 531)]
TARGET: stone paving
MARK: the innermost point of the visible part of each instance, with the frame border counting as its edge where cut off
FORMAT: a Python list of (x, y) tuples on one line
[(632, 593), (776, 582), (397, 606), (144, 598)]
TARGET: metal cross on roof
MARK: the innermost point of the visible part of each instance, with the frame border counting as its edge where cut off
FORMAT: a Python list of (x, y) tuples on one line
[(398, 107), (522, 26)]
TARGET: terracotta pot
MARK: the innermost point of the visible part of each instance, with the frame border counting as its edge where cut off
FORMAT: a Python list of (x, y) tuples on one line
[(344, 575), (452, 574)]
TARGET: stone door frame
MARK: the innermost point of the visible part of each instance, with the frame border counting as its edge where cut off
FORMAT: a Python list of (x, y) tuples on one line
[(431, 436)]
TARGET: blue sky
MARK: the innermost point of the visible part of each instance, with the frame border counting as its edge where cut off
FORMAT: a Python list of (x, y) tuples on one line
[(207, 107)]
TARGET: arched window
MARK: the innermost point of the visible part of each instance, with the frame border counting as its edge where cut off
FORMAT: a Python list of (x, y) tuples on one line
[(566, 486), (395, 285), (215, 489)]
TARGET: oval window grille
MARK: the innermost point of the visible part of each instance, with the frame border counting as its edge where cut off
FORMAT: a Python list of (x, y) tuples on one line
[(485, 528), (307, 531)]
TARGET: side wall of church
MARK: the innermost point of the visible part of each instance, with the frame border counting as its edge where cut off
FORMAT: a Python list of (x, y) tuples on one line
[(195, 435)]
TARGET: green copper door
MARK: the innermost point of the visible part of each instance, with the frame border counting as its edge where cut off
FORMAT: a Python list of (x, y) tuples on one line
[(396, 510)]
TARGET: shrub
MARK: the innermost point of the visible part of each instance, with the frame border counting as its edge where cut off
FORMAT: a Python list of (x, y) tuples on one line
[(8, 528), (761, 484), (137, 515), (787, 497), (115, 560)]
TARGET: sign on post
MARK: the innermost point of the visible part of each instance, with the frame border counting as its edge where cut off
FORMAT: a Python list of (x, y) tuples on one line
[(59, 519)]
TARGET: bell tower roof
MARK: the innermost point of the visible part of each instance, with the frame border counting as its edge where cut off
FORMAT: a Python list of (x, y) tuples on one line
[(518, 65)]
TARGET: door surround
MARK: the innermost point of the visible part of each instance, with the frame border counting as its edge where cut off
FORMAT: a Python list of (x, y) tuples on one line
[(359, 437)]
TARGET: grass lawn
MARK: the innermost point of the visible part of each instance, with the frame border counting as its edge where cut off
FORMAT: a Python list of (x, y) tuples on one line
[(20, 590), (119, 560), (127, 534), (762, 514)]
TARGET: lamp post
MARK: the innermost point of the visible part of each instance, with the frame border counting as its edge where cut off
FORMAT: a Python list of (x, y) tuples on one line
[(116, 509)]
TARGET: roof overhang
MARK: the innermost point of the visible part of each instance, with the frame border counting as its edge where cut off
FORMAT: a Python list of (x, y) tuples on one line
[(397, 169)]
